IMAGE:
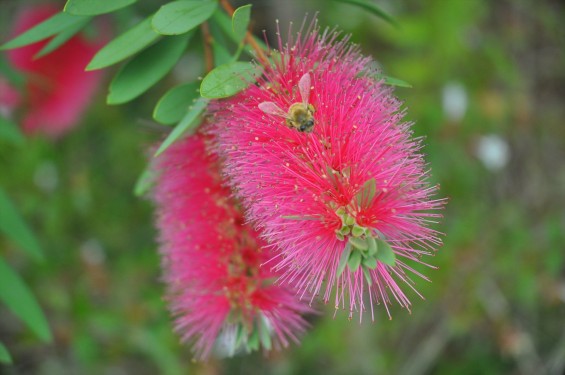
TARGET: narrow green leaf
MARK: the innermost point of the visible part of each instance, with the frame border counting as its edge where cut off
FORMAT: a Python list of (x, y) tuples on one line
[(179, 17), (373, 8), (264, 333), (124, 46), (174, 104), (253, 341), (146, 69), (4, 355), (10, 132), (19, 299), (14, 227), (43, 30), (95, 7), (227, 80), (240, 21), (359, 243), (144, 182), (367, 274), (62, 37), (240, 336), (385, 254), (370, 263), (367, 193), (388, 80), (343, 260), (305, 218), (186, 125), (373, 248), (354, 260)]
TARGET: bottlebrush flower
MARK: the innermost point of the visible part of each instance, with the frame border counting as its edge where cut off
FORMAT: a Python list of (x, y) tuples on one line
[(350, 189), (211, 260), (58, 89)]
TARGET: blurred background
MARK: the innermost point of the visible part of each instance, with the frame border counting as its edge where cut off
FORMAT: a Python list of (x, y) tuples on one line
[(488, 95)]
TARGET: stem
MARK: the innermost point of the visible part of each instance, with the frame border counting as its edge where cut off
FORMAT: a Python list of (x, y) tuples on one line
[(208, 40), (249, 39)]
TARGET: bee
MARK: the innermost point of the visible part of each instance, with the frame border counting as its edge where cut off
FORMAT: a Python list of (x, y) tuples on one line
[(300, 116)]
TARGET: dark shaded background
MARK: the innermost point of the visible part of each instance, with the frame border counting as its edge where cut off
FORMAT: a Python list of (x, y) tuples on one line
[(488, 94)]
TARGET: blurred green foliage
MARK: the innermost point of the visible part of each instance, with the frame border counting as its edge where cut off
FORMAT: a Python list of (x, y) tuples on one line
[(495, 305)]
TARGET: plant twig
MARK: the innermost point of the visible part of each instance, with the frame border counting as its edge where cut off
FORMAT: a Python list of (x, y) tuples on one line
[(249, 39), (208, 40)]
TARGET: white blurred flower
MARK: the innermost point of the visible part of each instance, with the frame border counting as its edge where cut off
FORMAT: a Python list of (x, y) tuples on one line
[(454, 101), (493, 151)]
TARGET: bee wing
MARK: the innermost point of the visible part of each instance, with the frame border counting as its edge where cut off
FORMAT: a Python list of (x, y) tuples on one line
[(304, 87), (271, 109)]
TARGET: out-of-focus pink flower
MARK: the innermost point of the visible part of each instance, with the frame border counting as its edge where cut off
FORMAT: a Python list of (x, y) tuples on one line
[(211, 260), (57, 90), (353, 181)]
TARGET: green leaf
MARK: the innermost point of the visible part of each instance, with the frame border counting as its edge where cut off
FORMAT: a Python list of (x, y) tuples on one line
[(343, 260), (388, 80), (125, 45), (174, 104), (18, 298), (349, 220), (305, 218), (367, 193), (144, 182), (369, 262), (253, 342), (354, 260), (146, 69), (240, 337), (10, 132), (359, 243), (95, 7), (373, 8), (61, 38), (385, 254), (14, 227), (224, 22), (227, 80), (357, 231), (367, 274), (221, 54), (240, 21), (179, 17), (43, 30), (185, 126), (373, 248), (4, 355), (264, 333)]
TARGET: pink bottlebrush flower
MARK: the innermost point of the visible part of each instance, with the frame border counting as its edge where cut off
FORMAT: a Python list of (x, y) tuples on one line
[(58, 89), (211, 260), (322, 162)]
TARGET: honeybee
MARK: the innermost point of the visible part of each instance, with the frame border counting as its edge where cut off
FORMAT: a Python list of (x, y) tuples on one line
[(300, 116)]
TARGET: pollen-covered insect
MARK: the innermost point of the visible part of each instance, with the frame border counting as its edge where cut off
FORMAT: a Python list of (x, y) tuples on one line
[(300, 116)]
